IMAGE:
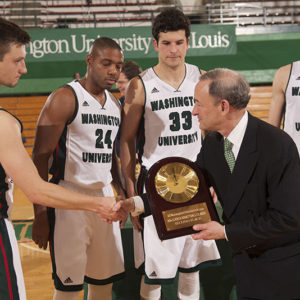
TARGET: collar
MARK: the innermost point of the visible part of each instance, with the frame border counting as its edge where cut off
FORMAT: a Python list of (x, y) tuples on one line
[(237, 134)]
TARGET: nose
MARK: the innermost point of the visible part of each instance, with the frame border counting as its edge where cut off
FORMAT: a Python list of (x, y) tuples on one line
[(113, 69), (173, 47), (194, 111), (23, 69)]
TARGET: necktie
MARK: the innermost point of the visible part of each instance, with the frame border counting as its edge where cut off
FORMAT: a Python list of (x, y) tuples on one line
[(229, 154)]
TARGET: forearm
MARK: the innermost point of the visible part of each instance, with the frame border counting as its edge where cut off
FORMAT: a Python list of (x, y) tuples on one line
[(53, 195), (116, 176), (128, 163), (41, 163)]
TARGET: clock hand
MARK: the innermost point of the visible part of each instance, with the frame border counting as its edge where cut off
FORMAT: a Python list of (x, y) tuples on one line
[(176, 182)]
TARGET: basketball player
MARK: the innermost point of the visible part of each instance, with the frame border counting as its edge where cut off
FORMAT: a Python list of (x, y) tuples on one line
[(158, 110), (78, 126), (130, 69), (16, 165), (286, 100)]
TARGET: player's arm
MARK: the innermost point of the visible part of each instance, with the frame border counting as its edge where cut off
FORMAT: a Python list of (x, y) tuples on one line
[(131, 116), (117, 182), (56, 113), (278, 95), (115, 168), (18, 165), (116, 174)]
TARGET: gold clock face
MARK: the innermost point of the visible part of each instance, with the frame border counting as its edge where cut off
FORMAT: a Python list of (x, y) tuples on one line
[(176, 182)]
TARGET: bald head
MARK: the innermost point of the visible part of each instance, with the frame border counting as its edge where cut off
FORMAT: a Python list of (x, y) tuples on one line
[(229, 85)]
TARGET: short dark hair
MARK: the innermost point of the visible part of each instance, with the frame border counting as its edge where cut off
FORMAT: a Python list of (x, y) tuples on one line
[(131, 69), (11, 33), (230, 85), (103, 43), (171, 19)]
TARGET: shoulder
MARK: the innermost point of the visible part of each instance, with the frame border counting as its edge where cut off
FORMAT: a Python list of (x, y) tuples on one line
[(60, 105), (9, 124), (7, 118), (284, 71), (281, 78), (114, 99), (62, 96), (147, 75), (135, 87)]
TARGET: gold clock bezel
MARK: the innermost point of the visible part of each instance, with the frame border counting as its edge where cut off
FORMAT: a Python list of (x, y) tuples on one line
[(176, 182)]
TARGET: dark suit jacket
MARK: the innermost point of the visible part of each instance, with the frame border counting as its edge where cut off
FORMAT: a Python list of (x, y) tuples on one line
[(261, 204)]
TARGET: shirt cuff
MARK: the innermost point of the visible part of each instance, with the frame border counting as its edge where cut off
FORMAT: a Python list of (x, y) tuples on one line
[(225, 234), (138, 206)]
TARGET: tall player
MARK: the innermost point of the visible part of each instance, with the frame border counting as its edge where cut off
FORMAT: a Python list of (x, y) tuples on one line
[(16, 165), (78, 126), (158, 110), (286, 100)]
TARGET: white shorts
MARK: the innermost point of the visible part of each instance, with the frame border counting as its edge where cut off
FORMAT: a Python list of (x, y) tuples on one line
[(164, 258), (84, 247)]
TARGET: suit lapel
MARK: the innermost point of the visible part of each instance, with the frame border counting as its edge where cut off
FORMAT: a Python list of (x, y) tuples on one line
[(243, 169)]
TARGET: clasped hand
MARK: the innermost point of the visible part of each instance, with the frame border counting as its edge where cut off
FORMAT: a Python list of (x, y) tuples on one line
[(118, 210)]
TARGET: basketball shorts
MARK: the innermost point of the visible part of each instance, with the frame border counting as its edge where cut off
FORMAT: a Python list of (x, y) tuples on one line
[(11, 276), (163, 259), (84, 248)]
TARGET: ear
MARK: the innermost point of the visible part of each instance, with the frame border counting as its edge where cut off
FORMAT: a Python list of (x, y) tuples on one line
[(89, 59), (155, 44), (225, 106)]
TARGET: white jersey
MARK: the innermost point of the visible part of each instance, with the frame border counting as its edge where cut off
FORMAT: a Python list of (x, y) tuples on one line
[(84, 153), (169, 129), (292, 100)]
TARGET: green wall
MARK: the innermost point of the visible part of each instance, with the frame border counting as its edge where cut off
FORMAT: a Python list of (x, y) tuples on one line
[(258, 56)]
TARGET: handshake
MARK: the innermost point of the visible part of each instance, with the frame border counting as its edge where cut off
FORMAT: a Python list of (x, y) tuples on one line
[(113, 209)]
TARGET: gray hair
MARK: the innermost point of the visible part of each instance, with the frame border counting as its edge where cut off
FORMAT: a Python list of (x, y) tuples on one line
[(229, 85)]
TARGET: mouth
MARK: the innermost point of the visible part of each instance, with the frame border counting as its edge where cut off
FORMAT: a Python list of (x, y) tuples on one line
[(110, 81)]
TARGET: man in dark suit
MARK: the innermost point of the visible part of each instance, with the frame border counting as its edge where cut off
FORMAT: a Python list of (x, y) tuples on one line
[(259, 188)]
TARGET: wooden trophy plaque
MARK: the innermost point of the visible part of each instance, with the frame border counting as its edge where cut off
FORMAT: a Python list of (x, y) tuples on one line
[(179, 197)]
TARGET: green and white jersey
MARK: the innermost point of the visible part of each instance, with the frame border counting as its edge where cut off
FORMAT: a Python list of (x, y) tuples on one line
[(83, 155), (168, 127), (292, 104)]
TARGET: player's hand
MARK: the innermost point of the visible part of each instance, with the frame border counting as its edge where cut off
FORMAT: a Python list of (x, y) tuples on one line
[(108, 211), (136, 223), (209, 231), (127, 205), (41, 229)]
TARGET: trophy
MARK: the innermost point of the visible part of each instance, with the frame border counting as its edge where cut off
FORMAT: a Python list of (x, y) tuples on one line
[(179, 197)]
